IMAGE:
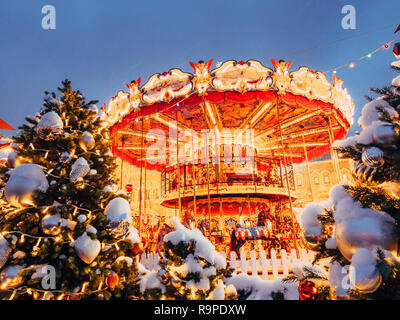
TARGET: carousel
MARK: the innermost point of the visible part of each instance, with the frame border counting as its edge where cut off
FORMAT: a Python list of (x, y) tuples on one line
[(224, 142)]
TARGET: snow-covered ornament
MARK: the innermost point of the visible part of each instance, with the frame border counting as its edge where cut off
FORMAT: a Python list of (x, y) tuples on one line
[(366, 231), (66, 156), (118, 212), (372, 157), (79, 169), (86, 141), (4, 250), (86, 248), (24, 181), (10, 277), (363, 271), (49, 123)]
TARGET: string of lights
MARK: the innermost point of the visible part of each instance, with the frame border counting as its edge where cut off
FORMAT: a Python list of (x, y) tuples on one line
[(351, 64)]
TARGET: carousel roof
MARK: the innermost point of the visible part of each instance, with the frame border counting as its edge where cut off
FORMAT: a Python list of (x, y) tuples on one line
[(296, 107)]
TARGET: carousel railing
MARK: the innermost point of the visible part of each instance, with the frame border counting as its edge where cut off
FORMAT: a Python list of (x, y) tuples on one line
[(269, 265), (220, 177)]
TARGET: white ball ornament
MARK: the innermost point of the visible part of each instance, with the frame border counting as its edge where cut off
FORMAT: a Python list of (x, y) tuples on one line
[(49, 123), (118, 212), (86, 141), (51, 224), (313, 236), (372, 157), (23, 182), (66, 156)]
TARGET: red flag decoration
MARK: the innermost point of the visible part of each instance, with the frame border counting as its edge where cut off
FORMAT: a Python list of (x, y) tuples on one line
[(398, 29), (5, 125)]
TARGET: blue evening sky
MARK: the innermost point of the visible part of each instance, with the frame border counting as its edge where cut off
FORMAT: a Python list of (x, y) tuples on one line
[(101, 45)]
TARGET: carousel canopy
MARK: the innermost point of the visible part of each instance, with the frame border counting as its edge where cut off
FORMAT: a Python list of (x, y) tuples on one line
[(290, 113)]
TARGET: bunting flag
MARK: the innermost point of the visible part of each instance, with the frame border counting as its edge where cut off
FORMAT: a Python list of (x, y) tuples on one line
[(5, 125), (398, 29)]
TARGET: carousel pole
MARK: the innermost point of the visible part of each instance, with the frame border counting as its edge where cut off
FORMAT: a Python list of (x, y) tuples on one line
[(333, 153), (208, 188), (122, 163), (177, 165), (307, 164), (193, 173), (286, 175), (140, 183)]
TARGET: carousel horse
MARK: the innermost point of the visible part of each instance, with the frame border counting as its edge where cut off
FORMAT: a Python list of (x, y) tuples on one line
[(263, 231), (162, 232), (240, 235)]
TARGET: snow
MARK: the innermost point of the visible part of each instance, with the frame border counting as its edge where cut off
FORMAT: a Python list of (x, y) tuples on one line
[(5, 153), (363, 257), (23, 180), (373, 129), (396, 64), (82, 218), (369, 112), (79, 169), (230, 290), (396, 82), (40, 271), (149, 279), (310, 214), (263, 289), (91, 229), (133, 235), (219, 292), (19, 255), (204, 248), (358, 227), (300, 269), (127, 260), (338, 279)]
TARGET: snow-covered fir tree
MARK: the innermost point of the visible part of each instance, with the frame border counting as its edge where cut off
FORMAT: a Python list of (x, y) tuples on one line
[(190, 269), (357, 230), (66, 234)]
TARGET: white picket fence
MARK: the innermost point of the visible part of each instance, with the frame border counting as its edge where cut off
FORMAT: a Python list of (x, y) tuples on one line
[(273, 268)]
